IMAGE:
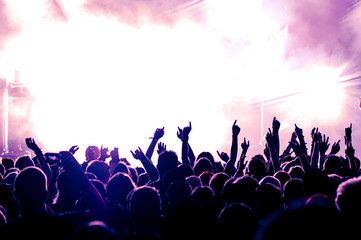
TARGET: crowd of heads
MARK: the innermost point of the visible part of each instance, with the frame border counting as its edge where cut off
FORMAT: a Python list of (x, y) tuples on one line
[(294, 194)]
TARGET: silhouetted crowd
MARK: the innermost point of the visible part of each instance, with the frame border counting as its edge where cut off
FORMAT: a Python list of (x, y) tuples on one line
[(298, 193)]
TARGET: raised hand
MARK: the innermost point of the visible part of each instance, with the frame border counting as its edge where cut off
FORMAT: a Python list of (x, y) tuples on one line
[(114, 154), (276, 125), (180, 133), (159, 133), (224, 156), (335, 147), (187, 130), (30, 143), (73, 149), (298, 131), (348, 132), (235, 129), (104, 153), (161, 148), (245, 146), (138, 154), (324, 145)]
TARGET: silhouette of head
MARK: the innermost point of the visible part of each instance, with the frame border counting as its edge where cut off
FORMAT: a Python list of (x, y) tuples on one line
[(217, 182), (270, 180), (166, 160), (8, 163), (118, 188), (23, 162), (144, 206), (121, 167), (236, 219), (92, 153), (206, 177), (194, 181), (332, 164), (257, 167), (207, 155), (348, 198), (31, 187), (95, 230), (100, 169), (177, 190), (282, 176), (296, 172), (202, 165), (315, 181)]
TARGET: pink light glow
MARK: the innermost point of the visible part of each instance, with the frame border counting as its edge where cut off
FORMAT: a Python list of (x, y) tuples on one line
[(111, 73)]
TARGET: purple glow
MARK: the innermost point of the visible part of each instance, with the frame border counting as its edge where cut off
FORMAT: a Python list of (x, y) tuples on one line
[(149, 64)]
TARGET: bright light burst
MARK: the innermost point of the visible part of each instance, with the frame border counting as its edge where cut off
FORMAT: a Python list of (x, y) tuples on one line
[(98, 81)]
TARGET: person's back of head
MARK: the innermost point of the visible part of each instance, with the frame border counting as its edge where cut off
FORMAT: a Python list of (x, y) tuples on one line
[(118, 188), (206, 177), (194, 181), (293, 191), (209, 156), (217, 182), (8, 163), (144, 206), (143, 179), (30, 187), (178, 190), (306, 223), (282, 176), (332, 164), (348, 198), (296, 172), (172, 175), (204, 195), (92, 153), (268, 198), (271, 180), (202, 165), (95, 230), (121, 167), (315, 181), (23, 162), (100, 169), (256, 168), (167, 160), (236, 220), (240, 191), (186, 169)]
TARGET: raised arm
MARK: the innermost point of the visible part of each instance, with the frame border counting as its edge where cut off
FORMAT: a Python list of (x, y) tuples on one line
[(275, 134), (234, 149), (92, 197), (297, 148), (273, 153), (317, 137), (241, 165), (147, 164), (30, 143), (324, 145), (185, 138), (350, 151), (158, 134), (301, 138), (191, 155)]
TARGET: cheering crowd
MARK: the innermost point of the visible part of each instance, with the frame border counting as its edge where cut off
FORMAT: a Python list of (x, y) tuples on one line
[(296, 193)]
